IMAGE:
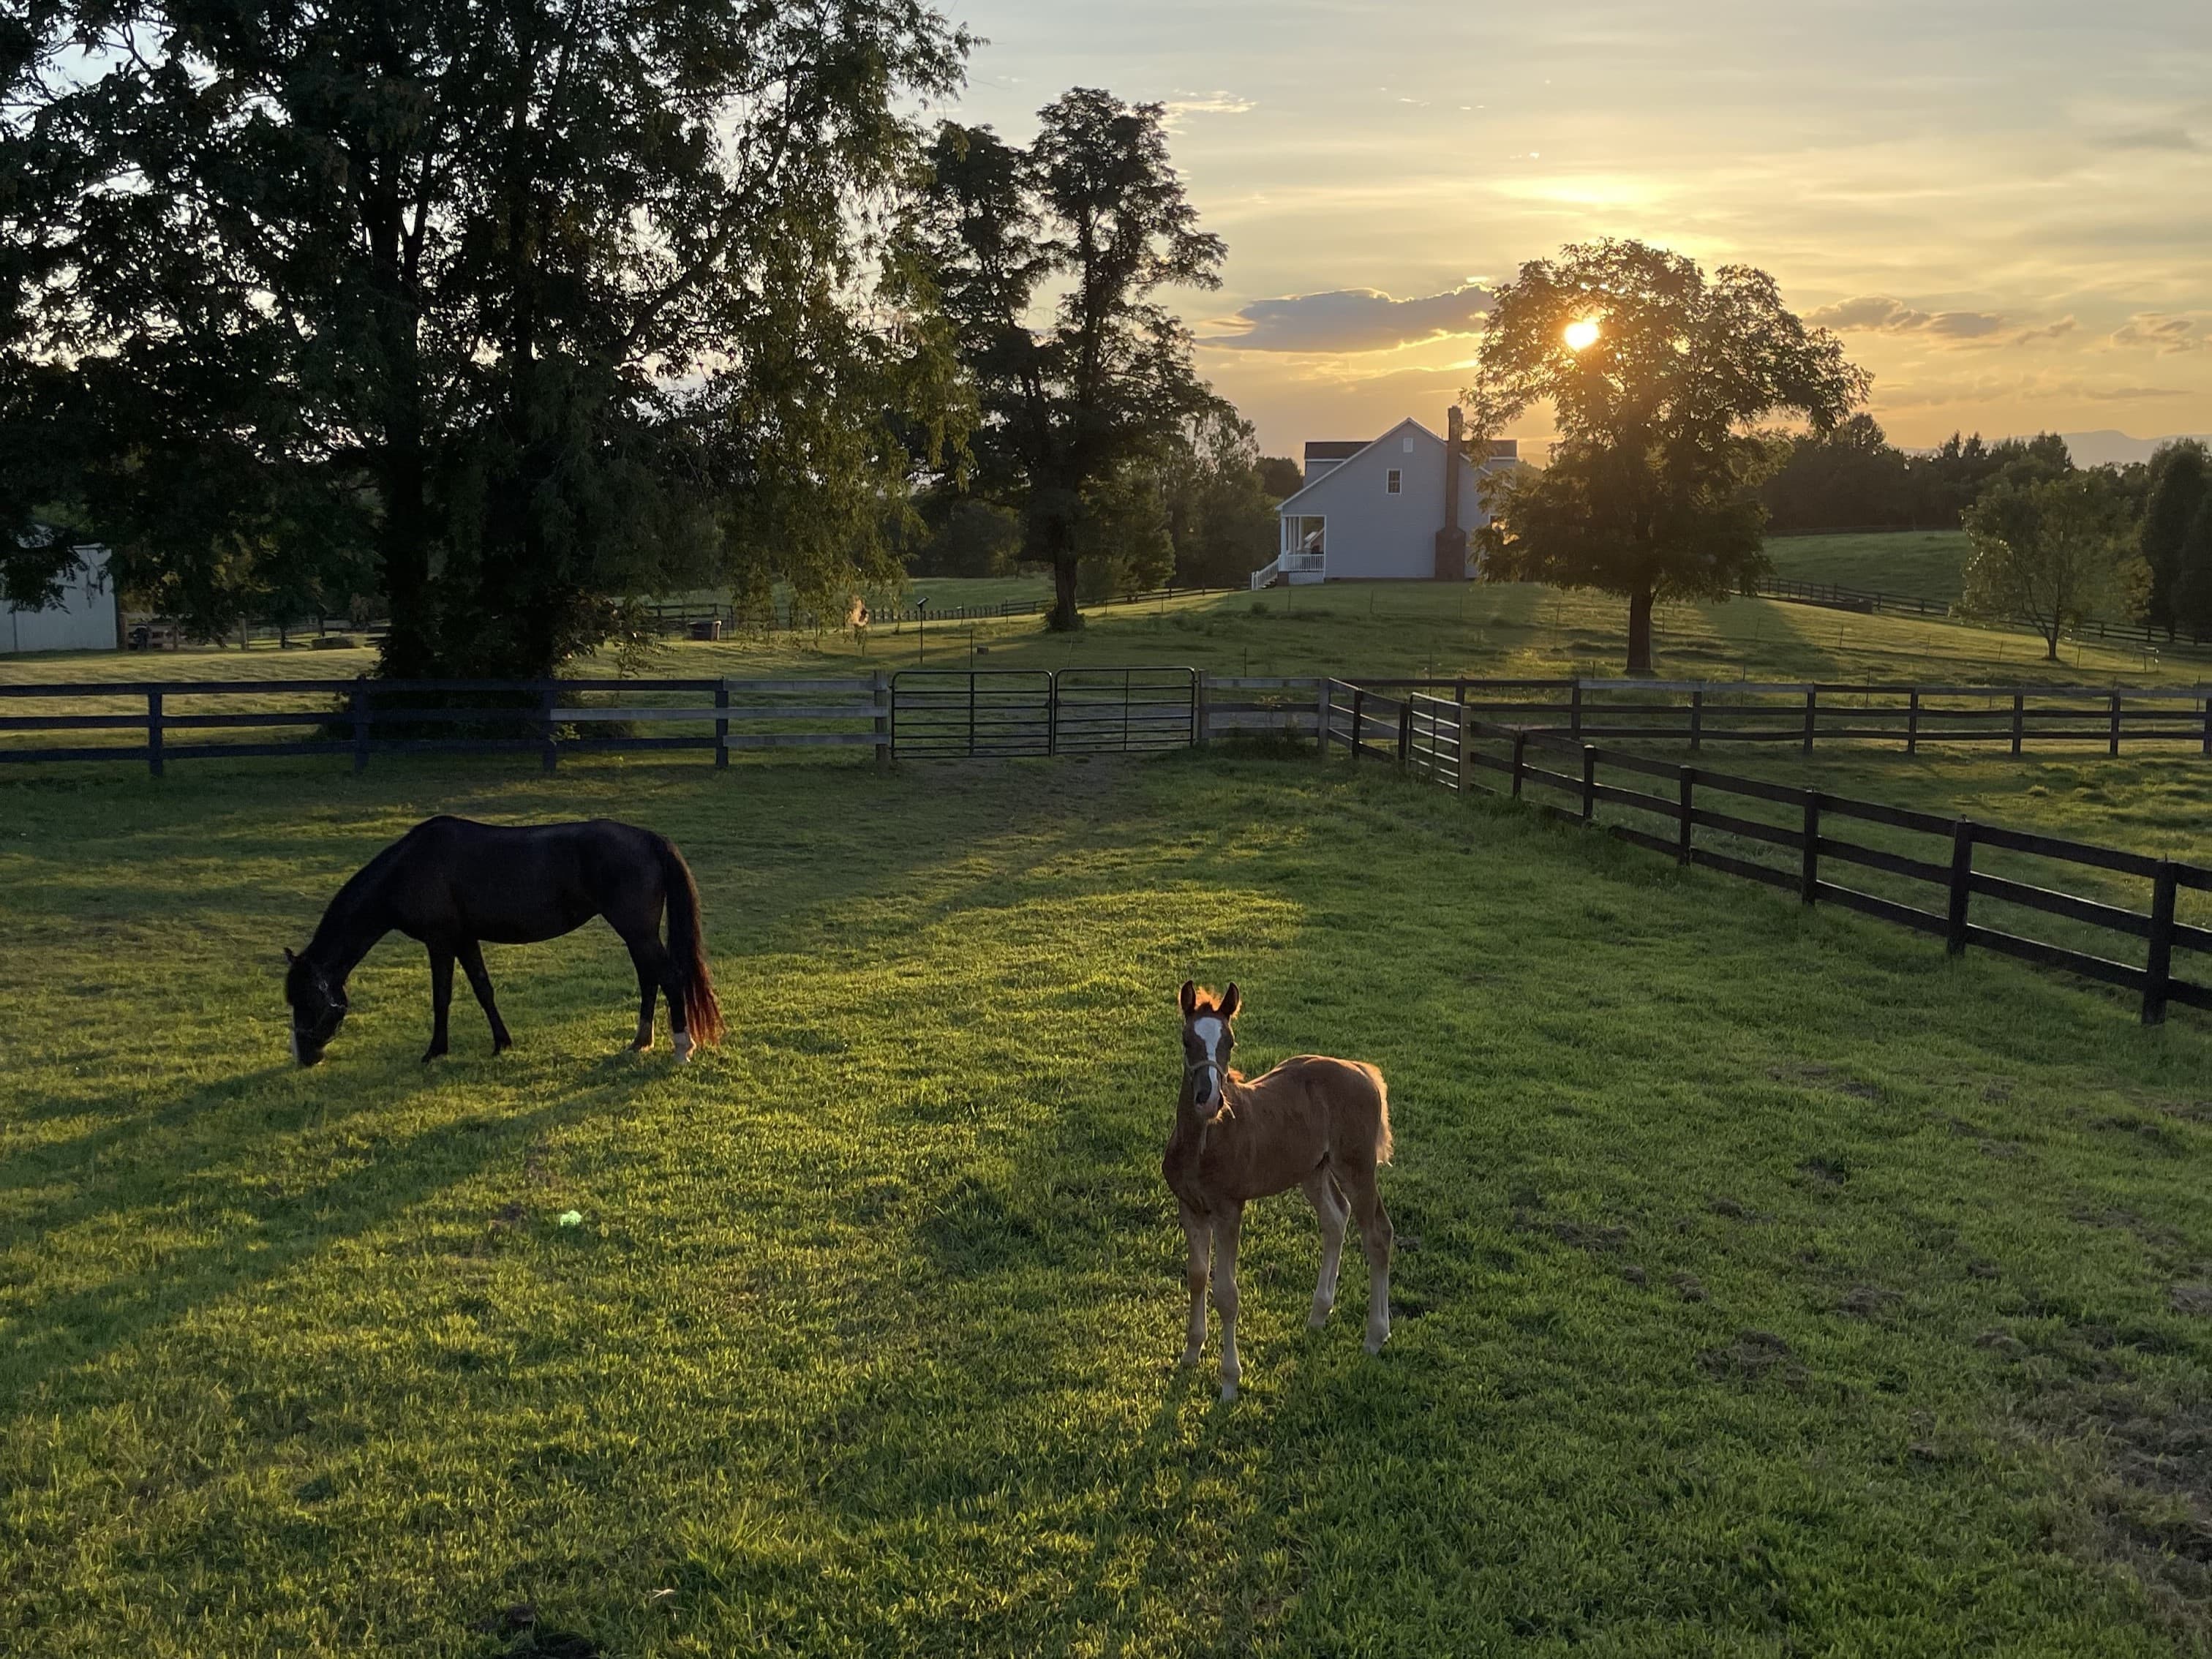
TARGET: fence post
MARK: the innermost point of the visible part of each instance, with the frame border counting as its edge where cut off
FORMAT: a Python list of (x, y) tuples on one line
[(360, 719), (2116, 723), (721, 722), (1683, 814), (1575, 713), (552, 752), (1697, 720), (2158, 972), (1466, 749), (2208, 726), (1812, 698), (2019, 720), (1405, 732), (1590, 783), (1913, 722), (1359, 716), (1520, 760), (1325, 714), (1202, 712), (1808, 884), (153, 732), (879, 694), (1962, 887)]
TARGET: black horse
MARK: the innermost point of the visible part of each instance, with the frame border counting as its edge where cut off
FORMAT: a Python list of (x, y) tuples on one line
[(454, 884)]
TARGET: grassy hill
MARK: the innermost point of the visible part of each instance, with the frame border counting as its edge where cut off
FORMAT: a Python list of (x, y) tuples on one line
[(1925, 564), (1378, 628), (1767, 1281)]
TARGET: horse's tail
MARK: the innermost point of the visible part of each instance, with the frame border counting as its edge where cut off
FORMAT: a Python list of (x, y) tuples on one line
[(687, 945)]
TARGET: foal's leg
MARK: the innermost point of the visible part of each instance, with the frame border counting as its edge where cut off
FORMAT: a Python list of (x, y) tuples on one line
[(1198, 1231), (442, 1000), (473, 964), (1227, 1226), (1331, 1211), (1376, 1235)]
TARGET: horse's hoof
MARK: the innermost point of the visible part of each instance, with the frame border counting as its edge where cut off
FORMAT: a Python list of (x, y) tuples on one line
[(1374, 1344), (1187, 1359), (434, 1053), (1227, 1394), (1316, 1319), (683, 1045)]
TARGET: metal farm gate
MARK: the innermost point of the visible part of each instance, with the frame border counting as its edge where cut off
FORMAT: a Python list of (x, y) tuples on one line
[(1004, 713)]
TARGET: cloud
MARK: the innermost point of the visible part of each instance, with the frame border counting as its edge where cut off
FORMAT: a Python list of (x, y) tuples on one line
[(2063, 326), (2171, 138), (1184, 104), (1877, 314), (1353, 319), (2164, 333)]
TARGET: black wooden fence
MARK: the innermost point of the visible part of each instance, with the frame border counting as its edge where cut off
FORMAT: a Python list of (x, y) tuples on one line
[(1803, 714), (197, 720), (1933, 858)]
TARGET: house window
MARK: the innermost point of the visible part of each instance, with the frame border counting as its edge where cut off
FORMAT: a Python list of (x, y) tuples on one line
[(1397, 479)]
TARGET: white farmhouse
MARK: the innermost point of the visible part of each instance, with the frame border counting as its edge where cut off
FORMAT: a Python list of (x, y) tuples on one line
[(1391, 510), (85, 620)]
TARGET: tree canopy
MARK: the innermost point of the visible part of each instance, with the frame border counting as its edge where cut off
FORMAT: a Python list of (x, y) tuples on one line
[(526, 307), (1088, 225), (2046, 549), (1657, 377)]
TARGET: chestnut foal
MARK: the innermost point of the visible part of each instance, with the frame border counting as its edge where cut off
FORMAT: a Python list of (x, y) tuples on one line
[(1312, 1122)]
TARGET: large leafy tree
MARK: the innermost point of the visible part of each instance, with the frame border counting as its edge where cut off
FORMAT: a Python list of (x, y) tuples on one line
[(1657, 377), (2180, 491), (1051, 261), (546, 303), (2047, 549)]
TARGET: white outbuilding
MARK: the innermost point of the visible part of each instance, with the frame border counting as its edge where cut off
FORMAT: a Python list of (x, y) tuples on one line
[(85, 620), (1397, 508)]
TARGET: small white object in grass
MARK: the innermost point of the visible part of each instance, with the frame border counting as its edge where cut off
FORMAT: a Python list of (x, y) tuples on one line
[(572, 1217)]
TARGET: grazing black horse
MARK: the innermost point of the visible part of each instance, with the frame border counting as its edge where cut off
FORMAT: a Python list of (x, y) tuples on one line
[(454, 884)]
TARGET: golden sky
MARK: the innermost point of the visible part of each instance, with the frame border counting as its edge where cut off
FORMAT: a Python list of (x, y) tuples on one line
[(2003, 206)]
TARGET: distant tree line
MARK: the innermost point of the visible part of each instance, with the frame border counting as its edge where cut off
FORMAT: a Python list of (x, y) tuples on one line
[(1852, 477)]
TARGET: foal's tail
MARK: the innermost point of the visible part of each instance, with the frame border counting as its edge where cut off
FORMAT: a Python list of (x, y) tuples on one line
[(1382, 1145), (687, 945)]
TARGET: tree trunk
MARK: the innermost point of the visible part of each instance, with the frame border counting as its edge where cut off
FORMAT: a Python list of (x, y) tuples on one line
[(1065, 617), (2050, 646), (1639, 631)]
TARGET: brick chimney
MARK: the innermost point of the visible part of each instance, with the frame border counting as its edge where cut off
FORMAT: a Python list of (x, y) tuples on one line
[(1451, 540)]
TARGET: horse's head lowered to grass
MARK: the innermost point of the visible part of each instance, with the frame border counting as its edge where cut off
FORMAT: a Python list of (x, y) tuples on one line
[(1207, 1041), (319, 1007)]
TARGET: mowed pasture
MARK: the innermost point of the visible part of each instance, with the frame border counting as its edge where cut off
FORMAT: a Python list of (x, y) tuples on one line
[(1768, 1283)]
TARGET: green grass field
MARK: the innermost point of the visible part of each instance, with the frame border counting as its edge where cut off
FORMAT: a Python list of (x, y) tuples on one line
[(1922, 564), (1769, 1284), (1373, 629)]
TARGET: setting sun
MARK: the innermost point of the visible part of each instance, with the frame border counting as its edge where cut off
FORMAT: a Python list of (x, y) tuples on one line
[(1581, 334)]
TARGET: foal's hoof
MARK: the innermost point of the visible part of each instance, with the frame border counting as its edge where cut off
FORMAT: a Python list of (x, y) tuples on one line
[(1374, 1344), (683, 1045), (1187, 1359), (429, 1054), (1316, 1319), (1227, 1394)]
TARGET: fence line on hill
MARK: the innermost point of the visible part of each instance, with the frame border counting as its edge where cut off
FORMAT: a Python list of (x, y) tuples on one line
[(1448, 742), (1865, 601)]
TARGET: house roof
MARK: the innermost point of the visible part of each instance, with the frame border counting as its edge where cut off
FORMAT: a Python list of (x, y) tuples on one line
[(1355, 449), (1500, 449), (1334, 449)]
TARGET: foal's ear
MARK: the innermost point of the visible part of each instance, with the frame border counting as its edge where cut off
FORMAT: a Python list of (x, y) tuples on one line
[(288, 957), (1189, 997), (1231, 1000)]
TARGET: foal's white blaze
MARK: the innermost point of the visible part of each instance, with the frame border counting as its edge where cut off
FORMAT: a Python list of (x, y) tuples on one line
[(1208, 1032)]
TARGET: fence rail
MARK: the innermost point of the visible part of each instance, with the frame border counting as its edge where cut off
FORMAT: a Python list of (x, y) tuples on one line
[(1448, 742), (1872, 602), (365, 718), (1804, 713)]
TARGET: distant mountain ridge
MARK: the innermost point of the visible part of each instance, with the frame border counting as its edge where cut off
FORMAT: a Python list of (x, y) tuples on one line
[(2109, 449)]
